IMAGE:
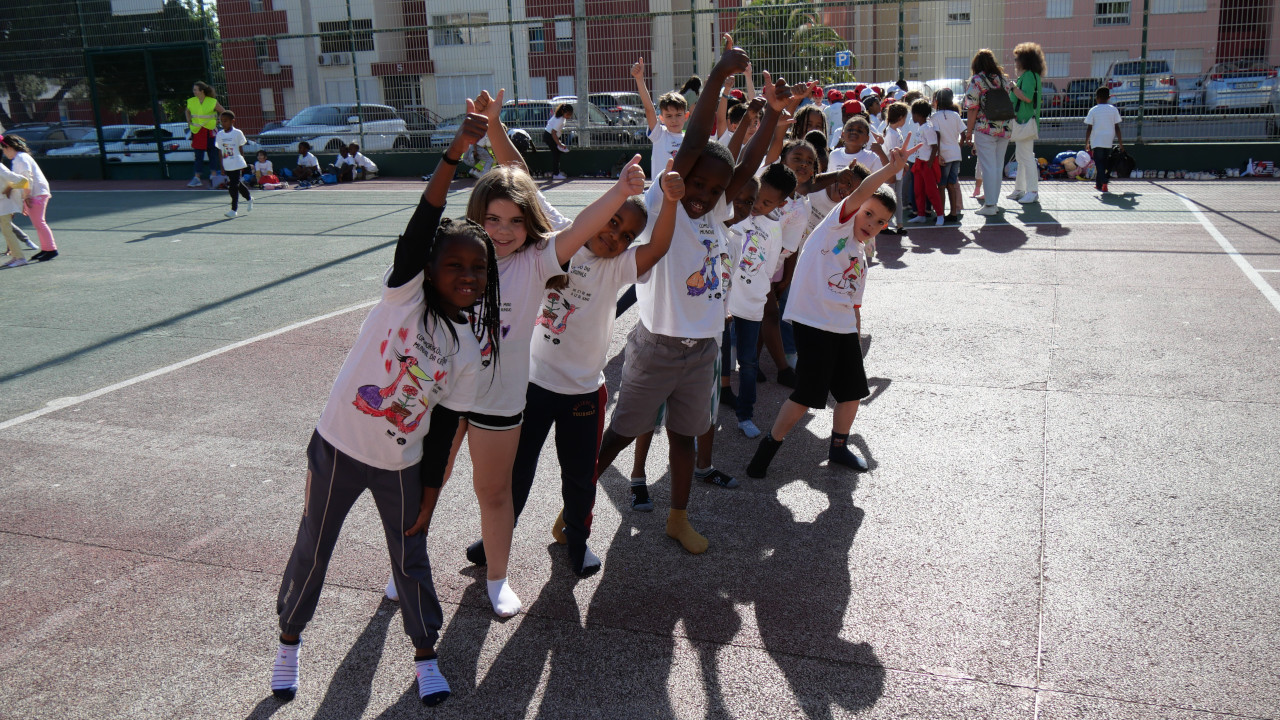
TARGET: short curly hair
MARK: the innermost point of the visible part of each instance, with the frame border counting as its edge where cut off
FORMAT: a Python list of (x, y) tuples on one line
[(1030, 57)]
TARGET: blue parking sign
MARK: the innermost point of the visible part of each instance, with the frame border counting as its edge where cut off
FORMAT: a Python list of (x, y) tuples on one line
[(844, 58)]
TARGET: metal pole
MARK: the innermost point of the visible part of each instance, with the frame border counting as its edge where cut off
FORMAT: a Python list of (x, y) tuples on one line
[(97, 111), (902, 48), (581, 71), (1142, 75), (355, 72), (155, 113), (511, 40)]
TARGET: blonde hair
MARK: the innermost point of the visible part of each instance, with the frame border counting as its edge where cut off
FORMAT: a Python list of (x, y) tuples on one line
[(509, 182)]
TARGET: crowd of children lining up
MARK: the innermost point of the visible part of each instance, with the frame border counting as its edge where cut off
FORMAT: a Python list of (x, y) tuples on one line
[(496, 326)]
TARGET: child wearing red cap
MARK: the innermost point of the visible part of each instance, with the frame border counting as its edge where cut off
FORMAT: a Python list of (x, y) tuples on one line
[(834, 114)]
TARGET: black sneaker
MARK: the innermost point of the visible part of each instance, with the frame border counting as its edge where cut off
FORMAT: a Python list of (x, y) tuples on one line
[(787, 377), (475, 553), (37, 257), (45, 255), (715, 477), (951, 218), (640, 501), (727, 397)]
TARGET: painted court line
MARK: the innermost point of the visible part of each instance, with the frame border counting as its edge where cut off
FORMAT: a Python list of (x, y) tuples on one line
[(1267, 291), (60, 403)]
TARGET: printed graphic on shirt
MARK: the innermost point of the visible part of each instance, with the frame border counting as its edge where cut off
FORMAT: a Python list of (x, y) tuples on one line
[(486, 342), (708, 281), (845, 281), (406, 396), (555, 314), (753, 258)]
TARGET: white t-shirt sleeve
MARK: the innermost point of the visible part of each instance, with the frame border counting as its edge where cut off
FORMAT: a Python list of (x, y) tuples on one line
[(558, 220)]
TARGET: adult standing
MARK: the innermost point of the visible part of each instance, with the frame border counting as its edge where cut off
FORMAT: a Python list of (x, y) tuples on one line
[(203, 111), (1028, 63), (690, 90), (989, 108)]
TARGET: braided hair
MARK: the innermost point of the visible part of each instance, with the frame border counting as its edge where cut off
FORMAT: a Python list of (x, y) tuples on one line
[(484, 317)]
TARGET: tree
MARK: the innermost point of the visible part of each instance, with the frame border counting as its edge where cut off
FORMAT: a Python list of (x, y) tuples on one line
[(789, 40)]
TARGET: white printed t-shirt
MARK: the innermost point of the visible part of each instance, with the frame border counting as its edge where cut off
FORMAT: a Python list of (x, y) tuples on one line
[(1104, 118), (929, 136), (820, 205), (829, 277), (573, 329), (308, 160), (522, 285), (665, 146), (402, 364), (26, 166), (840, 159), (684, 295), (229, 144), (949, 126), (263, 167), (893, 138), (761, 255)]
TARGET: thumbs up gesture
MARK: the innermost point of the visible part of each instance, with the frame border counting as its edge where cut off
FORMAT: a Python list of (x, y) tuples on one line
[(672, 183), (631, 179)]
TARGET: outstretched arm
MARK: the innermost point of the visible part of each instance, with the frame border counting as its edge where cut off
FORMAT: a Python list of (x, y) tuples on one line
[(649, 254), (698, 130), (897, 161), (776, 95), (597, 214), (744, 126), (722, 107), (473, 127), (504, 151), (650, 115)]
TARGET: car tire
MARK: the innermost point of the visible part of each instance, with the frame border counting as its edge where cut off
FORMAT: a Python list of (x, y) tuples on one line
[(334, 145), (401, 143)]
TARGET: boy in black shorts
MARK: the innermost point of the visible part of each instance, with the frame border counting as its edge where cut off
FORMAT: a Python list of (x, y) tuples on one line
[(831, 272)]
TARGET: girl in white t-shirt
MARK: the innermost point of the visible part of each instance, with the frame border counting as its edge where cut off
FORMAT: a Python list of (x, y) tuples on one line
[(229, 141), (505, 201), (553, 134), (262, 168), (35, 197), (414, 367)]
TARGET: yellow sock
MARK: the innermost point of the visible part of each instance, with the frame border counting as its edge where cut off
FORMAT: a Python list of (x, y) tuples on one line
[(678, 527), (557, 529)]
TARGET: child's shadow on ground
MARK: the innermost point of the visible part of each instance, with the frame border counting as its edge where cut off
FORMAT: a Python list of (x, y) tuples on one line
[(1123, 201), (176, 232), (948, 240)]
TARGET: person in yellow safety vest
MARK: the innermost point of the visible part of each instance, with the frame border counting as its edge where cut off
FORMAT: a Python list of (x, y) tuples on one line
[(203, 111)]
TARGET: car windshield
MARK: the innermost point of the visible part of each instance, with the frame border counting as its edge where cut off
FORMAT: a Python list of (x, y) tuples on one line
[(319, 115), (1154, 67)]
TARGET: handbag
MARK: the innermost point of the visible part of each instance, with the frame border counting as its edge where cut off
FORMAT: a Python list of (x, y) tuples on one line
[(1029, 130)]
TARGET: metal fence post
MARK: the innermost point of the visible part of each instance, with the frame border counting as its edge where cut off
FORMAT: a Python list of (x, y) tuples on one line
[(581, 71), (902, 48), (511, 41), (1142, 75), (355, 74)]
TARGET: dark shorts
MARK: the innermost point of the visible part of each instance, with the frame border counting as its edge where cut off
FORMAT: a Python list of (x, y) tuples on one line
[(828, 363), (495, 422), (950, 173)]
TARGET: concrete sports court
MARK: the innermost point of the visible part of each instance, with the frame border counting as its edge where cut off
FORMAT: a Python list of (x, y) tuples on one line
[(1071, 512)]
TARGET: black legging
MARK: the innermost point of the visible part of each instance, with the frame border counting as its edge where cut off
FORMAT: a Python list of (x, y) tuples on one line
[(555, 151), (236, 188)]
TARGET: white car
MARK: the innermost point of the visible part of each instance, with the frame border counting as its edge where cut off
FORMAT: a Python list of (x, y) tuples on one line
[(327, 127), (115, 138), (1242, 85)]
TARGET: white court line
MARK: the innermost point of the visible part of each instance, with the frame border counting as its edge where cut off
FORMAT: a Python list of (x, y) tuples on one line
[(60, 403), (1006, 223), (1269, 271), (1267, 291)]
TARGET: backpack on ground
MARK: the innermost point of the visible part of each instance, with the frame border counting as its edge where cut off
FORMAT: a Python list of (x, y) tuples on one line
[(1122, 164), (996, 104)]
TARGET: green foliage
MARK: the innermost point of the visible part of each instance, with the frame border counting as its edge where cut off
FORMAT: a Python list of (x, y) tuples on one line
[(789, 40)]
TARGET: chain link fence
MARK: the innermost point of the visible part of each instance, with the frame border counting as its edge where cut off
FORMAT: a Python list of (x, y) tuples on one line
[(394, 74)]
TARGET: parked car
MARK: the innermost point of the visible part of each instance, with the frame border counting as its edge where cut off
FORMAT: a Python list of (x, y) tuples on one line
[(531, 116), (1081, 94), (957, 86), (115, 138), (1190, 94), (43, 137), (1124, 78), (1238, 86), (618, 114), (420, 123), (176, 140), (1052, 100), (326, 127), (925, 87)]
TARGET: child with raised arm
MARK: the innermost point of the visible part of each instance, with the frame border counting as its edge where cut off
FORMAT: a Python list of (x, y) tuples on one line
[(666, 123), (671, 353), (415, 354), (831, 270)]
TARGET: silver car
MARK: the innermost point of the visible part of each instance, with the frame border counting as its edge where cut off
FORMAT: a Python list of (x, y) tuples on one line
[(1124, 78), (1238, 85), (328, 127)]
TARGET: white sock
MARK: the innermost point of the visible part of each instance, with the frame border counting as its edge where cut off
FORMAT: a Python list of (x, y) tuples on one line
[(284, 671), (590, 559), (392, 595), (432, 687), (505, 602)]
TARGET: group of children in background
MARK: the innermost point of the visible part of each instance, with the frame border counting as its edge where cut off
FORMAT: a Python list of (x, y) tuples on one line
[(496, 325)]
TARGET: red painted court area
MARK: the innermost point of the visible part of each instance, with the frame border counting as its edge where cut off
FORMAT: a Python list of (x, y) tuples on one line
[(1069, 512)]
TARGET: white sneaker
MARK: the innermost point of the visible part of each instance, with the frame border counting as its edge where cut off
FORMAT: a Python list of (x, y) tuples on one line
[(249, 207), (1029, 198), (392, 595), (559, 176), (940, 221), (987, 210), (918, 220), (1015, 194), (749, 428), (232, 213), (16, 262), (195, 182)]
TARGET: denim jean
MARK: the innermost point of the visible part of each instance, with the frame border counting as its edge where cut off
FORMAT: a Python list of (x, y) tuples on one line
[(746, 333), (788, 334)]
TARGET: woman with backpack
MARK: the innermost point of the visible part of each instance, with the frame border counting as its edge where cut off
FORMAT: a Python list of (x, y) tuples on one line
[(1028, 62), (989, 107)]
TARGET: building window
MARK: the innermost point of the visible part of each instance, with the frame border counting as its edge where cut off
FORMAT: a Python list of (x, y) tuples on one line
[(262, 49), (959, 12), (1183, 61), (1057, 64), (1169, 7), (256, 6), (459, 29), (453, 90), (1104, 59), (1111, 13), (1058, 8), (334, 37), (958, 67), (913, 42), (537, 39), (564, 35), (268, 103)]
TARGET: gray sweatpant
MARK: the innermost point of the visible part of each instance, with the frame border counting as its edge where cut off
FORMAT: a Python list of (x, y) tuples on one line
[(334, 481)]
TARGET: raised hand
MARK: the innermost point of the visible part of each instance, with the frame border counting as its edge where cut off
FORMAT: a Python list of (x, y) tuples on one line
[(490, 106), (637, 69), (474, 126), (734, 60), (776, 92), (631, 179), (799, 92), (898, 156), (672, 183), (729, 82), (756, 105)]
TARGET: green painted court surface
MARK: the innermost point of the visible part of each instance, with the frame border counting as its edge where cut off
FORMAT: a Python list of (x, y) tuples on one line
[(1070, 512)]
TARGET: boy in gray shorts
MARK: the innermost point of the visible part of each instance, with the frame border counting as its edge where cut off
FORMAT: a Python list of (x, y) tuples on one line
[(671, 353)]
